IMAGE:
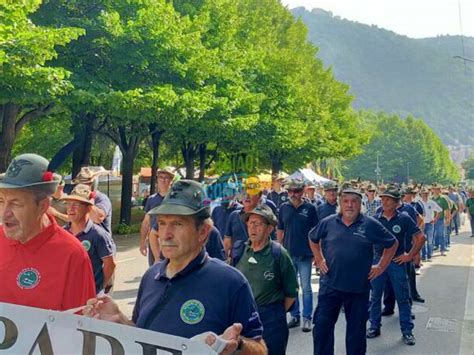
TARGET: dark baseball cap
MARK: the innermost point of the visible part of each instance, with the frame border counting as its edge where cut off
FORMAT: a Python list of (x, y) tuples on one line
[(264, 211), (184, 198)]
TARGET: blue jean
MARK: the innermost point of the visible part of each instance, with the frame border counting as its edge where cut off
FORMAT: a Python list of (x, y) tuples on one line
[(327, 311), (398, 276), (303, 265), (427, 250), (275, 330), (440, 234)]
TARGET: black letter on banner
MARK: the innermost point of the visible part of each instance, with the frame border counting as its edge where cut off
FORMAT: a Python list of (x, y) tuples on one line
[(44, 342), (150, 349), (11, 333), (89, 345)]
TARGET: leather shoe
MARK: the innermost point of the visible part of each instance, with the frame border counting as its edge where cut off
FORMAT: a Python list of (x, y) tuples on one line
[(294, 322), (418, 299), (373, 333), (387, 312), (409, 339)]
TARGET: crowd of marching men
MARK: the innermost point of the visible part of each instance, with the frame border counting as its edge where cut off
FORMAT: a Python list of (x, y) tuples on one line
[(365, 242)]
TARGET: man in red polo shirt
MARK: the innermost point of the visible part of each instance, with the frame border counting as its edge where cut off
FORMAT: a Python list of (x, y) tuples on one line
[(41, 265)]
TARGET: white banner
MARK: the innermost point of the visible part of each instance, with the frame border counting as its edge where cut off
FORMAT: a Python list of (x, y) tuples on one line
[(26, 330)]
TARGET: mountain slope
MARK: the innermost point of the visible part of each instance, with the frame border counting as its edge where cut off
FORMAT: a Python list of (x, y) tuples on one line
[(397, 74)]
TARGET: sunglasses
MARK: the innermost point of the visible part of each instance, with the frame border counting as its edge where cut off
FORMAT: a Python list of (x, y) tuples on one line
[(295, 190)]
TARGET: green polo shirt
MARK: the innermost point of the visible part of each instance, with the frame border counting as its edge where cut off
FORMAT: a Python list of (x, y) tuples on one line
[(470, 205), (269, 281), (443, 202)]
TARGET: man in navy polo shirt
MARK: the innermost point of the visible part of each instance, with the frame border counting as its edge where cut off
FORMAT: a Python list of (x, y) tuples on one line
[(101, 213), (343, 245), (235, 231), (220, 214), (92, 237), (404, 229), (278, 195), (296, 218), (163, 182), (329, 206), (189, 293)]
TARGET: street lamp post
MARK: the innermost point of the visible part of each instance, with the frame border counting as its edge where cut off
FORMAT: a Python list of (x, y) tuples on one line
[(408, 172), (377, 169)]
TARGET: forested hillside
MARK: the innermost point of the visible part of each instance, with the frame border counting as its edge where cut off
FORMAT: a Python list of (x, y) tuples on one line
[(397, 74)]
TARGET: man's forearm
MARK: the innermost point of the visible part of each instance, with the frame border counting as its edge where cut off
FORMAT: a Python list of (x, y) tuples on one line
[(418, 242), (316, 249), (387, 255), (280, 235), (252, 347), (108, 269), (154, 245), (288, 302)]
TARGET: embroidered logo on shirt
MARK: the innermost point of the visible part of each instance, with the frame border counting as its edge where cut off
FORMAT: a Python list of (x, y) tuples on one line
[(304, 212), (192, 312), (28, 278), (252, 260), (268, 275), (360, 232), (396, 228), (283, 198), (86, 244)]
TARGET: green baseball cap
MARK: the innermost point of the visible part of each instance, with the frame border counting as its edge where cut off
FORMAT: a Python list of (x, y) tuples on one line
[(264, 211), (348, 188), (184, 198), (28, 170), (393, 192), (330, 185)]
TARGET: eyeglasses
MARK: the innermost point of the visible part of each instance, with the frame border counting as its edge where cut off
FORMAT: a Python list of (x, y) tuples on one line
[(70, 204), (256, 224), (166, 177)]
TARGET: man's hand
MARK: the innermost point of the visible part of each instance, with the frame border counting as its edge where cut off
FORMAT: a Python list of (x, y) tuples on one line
[(231, 335), (143, 247), (403, 258), (375, 271), (104, 307), (321, 264)]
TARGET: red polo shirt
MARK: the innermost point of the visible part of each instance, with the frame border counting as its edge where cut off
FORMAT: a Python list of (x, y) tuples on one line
[(50, 271)]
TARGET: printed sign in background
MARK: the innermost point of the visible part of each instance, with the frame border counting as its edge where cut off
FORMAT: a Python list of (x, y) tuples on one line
[(26, 330)]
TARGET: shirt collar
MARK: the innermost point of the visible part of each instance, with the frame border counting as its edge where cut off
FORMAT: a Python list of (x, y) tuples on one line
[(196, 263), (87, 228), (397, 213), (359, 219)]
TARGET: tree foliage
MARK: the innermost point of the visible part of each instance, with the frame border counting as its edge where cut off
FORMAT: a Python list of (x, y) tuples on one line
[(406, 149)]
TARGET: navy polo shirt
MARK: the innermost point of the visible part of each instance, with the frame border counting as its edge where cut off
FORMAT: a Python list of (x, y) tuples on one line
[(208, 295), (236, 230), (220, 216), (153, 201), (278, 198), (402, 227), (214, 245), (418, 207), (102, 201), (326, 209), (270, 204), (296, 224), (97, 244), (349, 250)]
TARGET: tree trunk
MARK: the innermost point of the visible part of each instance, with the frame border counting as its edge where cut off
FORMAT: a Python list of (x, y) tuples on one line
[(276, 163), (189, 155), (81, 156), (9, 114), (202, 161), (129, 152), (155, 147)]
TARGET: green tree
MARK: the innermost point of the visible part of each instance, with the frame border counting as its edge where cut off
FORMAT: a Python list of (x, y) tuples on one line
[(406, 149), (29, 88)]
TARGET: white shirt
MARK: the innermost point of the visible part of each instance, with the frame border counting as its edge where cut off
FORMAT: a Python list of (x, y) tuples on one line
[(430, 208)]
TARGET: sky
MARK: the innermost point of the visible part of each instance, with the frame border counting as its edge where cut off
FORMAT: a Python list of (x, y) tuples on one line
[(412, 18)]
